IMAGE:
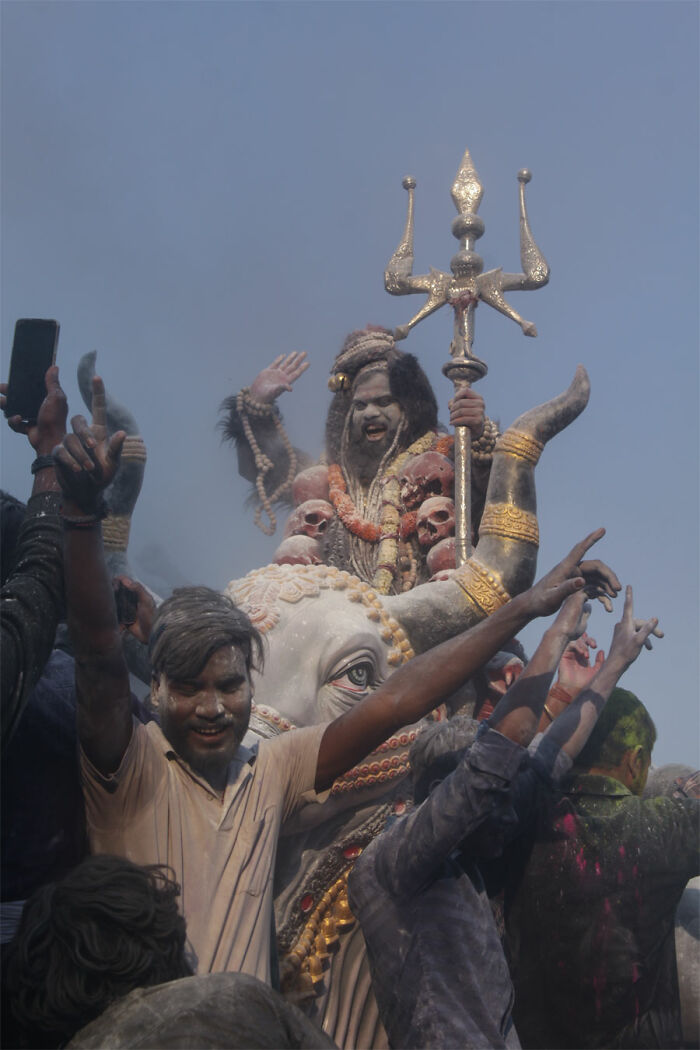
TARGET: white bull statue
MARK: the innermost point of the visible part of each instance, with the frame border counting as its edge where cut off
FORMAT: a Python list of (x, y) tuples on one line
[(331, 640)]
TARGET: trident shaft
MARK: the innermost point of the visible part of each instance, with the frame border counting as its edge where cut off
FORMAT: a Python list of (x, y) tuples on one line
[(463, 289)]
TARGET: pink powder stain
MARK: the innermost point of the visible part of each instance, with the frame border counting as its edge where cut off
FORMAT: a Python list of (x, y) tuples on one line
[(621, 851), (581, 861), (597, 868), (606, 906), (635, 871), (568, 824)]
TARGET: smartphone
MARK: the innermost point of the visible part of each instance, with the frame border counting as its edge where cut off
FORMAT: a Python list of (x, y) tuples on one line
[(33, 352), (127, 602)]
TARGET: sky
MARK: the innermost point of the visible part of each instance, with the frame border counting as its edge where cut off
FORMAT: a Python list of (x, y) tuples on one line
[(192, 189)]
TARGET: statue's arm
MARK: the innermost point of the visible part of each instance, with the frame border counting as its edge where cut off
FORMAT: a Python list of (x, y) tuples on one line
[(253, 411)]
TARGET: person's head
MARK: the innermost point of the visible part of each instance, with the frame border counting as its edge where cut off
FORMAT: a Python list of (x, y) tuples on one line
[(383, 400), (107, 927), (621, 743), (202, 648)]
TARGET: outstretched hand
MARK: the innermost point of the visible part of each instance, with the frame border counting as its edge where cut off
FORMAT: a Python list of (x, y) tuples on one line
[(50, 427), (572, 618), (630, 634), (563, 580), (278, 377), (88, 459)]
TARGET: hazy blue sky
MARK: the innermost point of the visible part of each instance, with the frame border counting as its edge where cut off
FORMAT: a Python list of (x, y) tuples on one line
[(194, 188)]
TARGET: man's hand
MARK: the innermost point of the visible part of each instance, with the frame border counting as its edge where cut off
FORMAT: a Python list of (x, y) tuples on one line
[(575, 670), (88, 459), (278, 377), (601, 582), (563, 580), (630, 635), (572, 618), (50, 427), (145, 609), (467, 410)]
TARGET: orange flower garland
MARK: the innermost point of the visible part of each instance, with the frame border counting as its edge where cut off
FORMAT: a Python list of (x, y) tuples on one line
[(386, 533)]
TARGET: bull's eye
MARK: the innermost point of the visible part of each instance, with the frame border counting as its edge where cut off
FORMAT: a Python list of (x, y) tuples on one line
[(357, 675)]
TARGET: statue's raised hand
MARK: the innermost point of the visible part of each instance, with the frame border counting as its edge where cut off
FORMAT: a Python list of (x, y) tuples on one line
[(278, 377), (87, 460)]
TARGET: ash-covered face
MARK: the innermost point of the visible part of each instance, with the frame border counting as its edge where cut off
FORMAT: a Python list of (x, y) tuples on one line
[(205, 718), (375, 416)]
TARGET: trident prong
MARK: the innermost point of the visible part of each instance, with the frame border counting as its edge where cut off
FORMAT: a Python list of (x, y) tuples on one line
[(463, 289)]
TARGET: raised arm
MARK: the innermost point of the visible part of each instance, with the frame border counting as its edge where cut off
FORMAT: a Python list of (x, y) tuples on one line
[(33, 591), (417, 687), (86, 462), (253, 413), (518, 712), (571, 729)]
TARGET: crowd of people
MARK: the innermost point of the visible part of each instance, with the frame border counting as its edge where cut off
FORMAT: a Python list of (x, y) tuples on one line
[(526, 897)]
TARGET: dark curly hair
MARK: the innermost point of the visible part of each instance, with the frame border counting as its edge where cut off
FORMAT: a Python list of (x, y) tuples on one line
[(106, 928)]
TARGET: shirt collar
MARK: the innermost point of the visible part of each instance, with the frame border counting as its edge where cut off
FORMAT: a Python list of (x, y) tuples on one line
[(594, 784), (238, 766)]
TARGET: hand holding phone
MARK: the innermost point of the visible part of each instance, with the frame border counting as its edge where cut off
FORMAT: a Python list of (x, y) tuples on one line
[(49, 429), (33, 353)]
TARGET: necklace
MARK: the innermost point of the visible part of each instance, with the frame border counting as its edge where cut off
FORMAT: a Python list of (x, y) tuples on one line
[(386, 532)]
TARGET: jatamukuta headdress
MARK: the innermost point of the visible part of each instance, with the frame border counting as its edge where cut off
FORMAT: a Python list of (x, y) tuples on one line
[(363, 347)]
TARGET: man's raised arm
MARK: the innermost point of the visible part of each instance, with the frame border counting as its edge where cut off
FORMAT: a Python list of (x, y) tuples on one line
[(417, 687), (86, 462), (571, 729)]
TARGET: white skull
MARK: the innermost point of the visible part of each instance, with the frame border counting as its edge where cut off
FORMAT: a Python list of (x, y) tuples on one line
[(435, 521), (442, 558), (430, 474), (311, 483), (310, 518), (299, 550)]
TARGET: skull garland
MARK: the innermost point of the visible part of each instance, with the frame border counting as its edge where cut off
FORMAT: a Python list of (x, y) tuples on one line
[(310, 518), (430, 474), (425, 477), (435, 521)]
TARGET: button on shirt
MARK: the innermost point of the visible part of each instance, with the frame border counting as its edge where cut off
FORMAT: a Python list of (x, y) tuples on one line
[(222, 849)]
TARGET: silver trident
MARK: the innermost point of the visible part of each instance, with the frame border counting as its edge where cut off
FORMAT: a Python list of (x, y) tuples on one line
[(463, 289)]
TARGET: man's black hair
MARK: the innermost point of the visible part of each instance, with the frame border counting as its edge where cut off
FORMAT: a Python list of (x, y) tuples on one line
[(107, 927)]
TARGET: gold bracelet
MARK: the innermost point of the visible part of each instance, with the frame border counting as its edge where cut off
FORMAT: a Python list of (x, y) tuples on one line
[(515, 443), (509, 521)]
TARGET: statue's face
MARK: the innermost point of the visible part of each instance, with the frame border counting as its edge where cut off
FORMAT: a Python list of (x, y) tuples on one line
[(324, 655), (375, 415)]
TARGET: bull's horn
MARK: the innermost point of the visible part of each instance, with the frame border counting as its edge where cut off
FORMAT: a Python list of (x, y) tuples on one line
[(505, 559)]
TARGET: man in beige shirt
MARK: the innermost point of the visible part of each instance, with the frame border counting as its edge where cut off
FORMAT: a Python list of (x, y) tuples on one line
[(188, 794)]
